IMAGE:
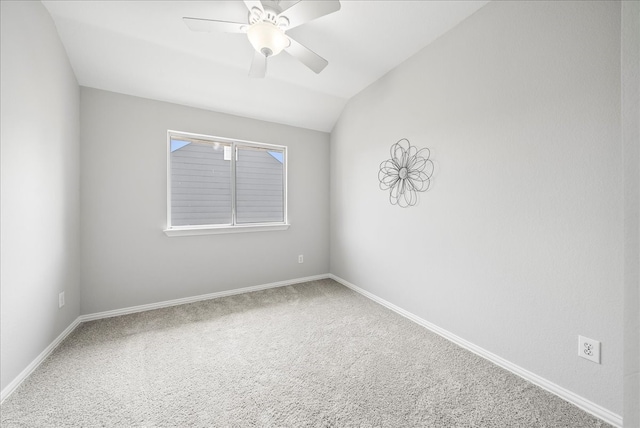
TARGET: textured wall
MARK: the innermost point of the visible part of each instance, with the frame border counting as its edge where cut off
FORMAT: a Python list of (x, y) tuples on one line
[(518, 246), (40, 243), (631, 153), (127, 260)]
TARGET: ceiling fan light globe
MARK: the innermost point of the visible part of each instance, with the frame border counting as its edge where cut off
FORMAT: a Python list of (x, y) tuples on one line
[(265, 36)]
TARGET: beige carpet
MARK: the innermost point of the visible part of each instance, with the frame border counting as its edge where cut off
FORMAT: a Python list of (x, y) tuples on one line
[(308, 355)]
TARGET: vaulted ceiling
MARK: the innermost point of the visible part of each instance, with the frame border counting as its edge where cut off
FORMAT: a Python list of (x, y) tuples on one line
[(144, 48)]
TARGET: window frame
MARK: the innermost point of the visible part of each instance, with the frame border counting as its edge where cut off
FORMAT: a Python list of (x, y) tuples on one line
[(232, 227)]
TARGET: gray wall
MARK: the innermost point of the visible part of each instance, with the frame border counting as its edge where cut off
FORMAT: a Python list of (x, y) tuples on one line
[(39, 246), (127, 260), (631, 153), (518, 245)]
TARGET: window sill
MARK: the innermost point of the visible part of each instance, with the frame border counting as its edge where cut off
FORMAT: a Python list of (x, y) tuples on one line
[(216, 230)]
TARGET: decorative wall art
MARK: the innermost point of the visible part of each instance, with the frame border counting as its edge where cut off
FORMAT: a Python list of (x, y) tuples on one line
[(408, 172)]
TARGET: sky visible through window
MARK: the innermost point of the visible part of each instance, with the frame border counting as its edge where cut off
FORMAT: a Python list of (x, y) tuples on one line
[(178, 144)]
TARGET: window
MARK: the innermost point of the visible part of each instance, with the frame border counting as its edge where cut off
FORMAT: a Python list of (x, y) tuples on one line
[(218, 185)]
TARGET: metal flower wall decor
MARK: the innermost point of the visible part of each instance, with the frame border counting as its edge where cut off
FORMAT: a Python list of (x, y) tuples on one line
[(408, 172)]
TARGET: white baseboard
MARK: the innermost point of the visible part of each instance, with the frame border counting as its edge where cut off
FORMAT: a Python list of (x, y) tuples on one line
[(9, 389), (586, 405), (15, 383), (185, 300)]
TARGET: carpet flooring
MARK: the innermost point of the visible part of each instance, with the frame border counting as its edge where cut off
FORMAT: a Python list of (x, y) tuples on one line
[(309, 355)]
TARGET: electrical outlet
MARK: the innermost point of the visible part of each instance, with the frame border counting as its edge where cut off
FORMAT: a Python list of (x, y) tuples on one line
[(300, 258), (589, 349), (61, 300)]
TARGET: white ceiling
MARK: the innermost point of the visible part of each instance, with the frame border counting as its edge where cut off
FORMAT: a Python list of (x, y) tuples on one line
[(143, 48)]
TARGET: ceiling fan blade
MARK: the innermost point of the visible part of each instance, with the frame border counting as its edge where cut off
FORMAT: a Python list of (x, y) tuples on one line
[(258, 66), (305, 11), (306, 56), (286, 4), (209, 25), (253, 3)]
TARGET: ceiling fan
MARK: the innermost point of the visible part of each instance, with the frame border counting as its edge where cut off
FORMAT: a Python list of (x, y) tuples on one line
[(268, 22)]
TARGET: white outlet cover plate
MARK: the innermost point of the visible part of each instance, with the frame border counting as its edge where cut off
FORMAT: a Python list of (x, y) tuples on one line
[(589, 349)]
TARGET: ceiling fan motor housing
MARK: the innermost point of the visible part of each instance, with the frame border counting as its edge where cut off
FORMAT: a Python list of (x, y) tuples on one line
[(268, 15)]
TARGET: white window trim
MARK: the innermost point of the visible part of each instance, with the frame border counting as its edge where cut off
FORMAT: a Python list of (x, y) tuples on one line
[(224, 228), (215, 230)]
